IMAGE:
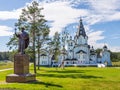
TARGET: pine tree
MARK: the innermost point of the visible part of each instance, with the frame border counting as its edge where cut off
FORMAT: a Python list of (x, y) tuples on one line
[(32, 20), (41, 37), (55, 46)]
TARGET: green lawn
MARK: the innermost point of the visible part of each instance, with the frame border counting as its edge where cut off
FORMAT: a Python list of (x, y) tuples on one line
[(4, 65), (71, 78)]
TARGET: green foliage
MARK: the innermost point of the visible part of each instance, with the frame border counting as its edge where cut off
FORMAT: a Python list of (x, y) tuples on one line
[(98, 52), (29, 51), (12, 43), (71, 78), (4, 56), (11, 55), (115, 56), (55, 46)]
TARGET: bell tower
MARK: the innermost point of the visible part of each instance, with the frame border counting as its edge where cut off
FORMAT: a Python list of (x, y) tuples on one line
[(81, 34)]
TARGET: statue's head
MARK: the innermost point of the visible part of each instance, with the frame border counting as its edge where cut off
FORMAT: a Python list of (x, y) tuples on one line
[(22, 29)]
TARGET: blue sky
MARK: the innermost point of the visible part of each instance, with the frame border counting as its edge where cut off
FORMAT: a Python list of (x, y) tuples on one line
[(101, 19)]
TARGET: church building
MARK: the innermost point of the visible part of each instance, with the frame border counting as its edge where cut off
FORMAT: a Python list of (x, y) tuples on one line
[(75, 51)]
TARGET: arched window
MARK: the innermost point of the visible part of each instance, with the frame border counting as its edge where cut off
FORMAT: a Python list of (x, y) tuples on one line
[(71, 44)]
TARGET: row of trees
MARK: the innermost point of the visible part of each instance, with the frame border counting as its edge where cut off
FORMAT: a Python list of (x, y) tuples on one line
[(4, 56), (115, 56)]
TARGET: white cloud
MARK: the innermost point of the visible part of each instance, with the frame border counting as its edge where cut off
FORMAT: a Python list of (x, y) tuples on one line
[(14, 14), (5, 31), (104, 6), (7, 15), (62, 14), (114, 17), (115, 36), (95, 36), (114, 48), (103, 11)]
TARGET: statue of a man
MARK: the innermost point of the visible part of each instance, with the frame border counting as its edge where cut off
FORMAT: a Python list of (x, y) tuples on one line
[(23, 40)]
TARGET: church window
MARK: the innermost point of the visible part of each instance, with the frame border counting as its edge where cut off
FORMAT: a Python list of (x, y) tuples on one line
[(79, 56), (67, 62), (80, 32), (71, 44), (83, 56), (73, 62), (43, 57), (44, 62)]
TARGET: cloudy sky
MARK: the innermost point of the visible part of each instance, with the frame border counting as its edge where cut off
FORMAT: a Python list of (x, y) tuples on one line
[(101, 19)]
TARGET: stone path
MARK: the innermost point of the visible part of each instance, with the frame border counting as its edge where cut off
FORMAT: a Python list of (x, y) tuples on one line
[(6, 69)]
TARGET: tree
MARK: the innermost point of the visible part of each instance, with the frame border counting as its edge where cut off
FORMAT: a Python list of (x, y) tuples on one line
[(115, 56), (30, 19), (13, 43), (4, 56), (1, 58), (98, 51), (41, 37), (55, 46), (11, 55)]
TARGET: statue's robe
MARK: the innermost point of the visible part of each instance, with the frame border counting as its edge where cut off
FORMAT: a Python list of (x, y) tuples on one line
[(23, 41)]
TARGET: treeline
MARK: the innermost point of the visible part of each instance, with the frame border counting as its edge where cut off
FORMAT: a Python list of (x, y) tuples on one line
[(7, 56), (115, 56), (4, 56)]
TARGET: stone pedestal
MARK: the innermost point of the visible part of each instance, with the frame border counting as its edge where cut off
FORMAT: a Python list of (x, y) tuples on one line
[(21, 70)]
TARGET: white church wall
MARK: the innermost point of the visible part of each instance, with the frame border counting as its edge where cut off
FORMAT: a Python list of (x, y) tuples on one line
[(44, 60), (73, 47), (93, 59), (106, 57)]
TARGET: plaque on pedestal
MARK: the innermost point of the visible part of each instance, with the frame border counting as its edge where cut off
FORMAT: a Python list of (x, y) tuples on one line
[(21, 70)]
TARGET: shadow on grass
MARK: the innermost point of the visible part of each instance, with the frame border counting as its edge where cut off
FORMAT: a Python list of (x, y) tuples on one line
[(46, 84), (69, 76), (69, 71)]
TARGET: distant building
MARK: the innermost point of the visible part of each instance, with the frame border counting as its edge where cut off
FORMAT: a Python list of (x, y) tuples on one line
[(77, 51)]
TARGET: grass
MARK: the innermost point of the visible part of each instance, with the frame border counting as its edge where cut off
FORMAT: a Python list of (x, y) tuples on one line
[(4, 65), (71, 78)]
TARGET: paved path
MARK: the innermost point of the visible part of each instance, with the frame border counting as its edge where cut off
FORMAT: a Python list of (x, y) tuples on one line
[(6, 69), (10, 68)]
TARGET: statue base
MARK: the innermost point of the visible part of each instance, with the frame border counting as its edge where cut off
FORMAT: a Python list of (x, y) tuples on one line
[(21, 70), (20, 78)]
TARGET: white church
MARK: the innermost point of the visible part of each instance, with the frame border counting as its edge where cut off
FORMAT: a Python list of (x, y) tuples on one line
[(76, 52)]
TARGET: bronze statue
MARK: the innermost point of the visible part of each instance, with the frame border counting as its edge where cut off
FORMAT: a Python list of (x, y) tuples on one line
[(23, 40)]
